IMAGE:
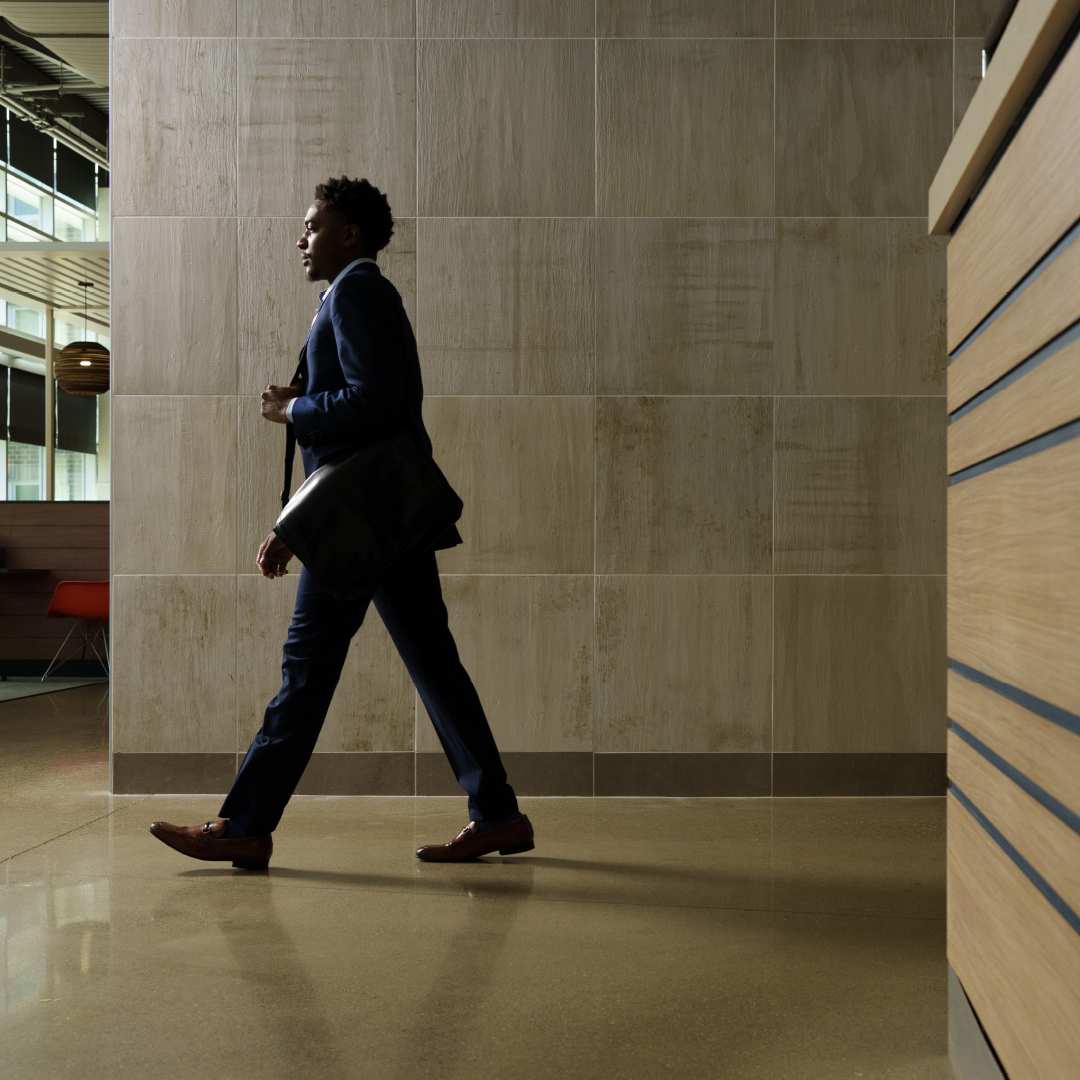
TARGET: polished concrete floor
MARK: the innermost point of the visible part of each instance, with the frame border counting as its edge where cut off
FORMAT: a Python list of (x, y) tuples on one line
[(641, 939)]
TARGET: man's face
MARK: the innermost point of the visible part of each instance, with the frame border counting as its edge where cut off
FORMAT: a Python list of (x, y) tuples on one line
[(328, 242)]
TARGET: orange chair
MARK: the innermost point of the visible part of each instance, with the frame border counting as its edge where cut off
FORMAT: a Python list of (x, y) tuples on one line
[(87, 602)]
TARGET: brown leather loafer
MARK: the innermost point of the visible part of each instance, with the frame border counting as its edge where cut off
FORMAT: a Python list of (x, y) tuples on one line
[(206, 842), (470, 843)]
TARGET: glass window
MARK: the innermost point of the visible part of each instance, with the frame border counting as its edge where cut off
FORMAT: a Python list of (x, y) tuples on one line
[(71, 226), (67, 332), (75, 477), (27, 320), (25, 204), (25, 472)]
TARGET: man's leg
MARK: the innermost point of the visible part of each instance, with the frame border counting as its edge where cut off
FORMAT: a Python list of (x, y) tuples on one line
[(313, 657), (410, 604)]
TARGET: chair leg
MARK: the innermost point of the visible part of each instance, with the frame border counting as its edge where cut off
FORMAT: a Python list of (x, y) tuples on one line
[(105, 645), (52, 663)]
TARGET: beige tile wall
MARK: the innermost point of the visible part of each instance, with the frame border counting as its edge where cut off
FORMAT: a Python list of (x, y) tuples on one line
[(681, 328)]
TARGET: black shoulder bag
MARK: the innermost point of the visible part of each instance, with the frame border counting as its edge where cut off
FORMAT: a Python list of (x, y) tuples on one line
[(366, 512)]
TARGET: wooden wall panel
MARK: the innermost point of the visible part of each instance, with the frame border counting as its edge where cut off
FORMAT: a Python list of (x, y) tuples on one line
[(1017, 958), (1028, 203), (1043, 839), (71, 541), (1014, 578), (1045, 308), (1042, 399), (1045, 752)]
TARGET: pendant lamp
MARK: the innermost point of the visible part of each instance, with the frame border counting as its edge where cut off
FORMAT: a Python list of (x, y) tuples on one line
[(83, 366)]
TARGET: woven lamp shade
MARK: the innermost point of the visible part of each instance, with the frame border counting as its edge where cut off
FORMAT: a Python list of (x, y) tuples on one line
[(82, 368)]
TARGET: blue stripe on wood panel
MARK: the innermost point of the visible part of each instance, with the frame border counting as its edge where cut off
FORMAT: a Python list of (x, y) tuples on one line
[(1033, 446), (1044, 798), (1055, 345), (1025, 283), (1053, 713), (1025, 867)]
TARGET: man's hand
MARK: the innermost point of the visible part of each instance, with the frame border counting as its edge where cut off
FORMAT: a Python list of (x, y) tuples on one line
[(275, 400), (273, 557)]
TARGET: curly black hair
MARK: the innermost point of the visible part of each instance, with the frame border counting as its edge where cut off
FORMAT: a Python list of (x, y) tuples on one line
[(359, 203)]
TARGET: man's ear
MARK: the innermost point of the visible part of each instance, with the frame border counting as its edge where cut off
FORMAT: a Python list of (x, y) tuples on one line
[(353, 236)]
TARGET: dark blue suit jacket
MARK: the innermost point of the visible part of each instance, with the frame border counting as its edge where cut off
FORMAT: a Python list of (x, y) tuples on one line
[(363, 373)]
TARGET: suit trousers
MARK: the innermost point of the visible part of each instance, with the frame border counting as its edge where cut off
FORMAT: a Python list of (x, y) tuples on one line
[(411, 606)]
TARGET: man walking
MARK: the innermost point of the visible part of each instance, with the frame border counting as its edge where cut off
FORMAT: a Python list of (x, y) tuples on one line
[(362, 382)]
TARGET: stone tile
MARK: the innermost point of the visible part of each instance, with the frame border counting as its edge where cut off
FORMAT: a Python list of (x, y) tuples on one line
[(174, 485), (172, 88), (713, 776), (683, 19), (372, 710), (967, 75), (861, 126), (973, 17), (527, 642), (324, 18), (173, 774), (505, 128), (434, 776), (864, 19), (173, 18), (860, 486), (860, 665), (180, 338), (505, 305), (174, 680), (374, 707), (858, 775), (683, 664), (533, 773), (309, 109), (524, 469), (277, 302), (715, 159), (264, 611), (504, 19), (684, 485), (563, 774), (860, 307), (260, 468), (359, 774), (684, 306)]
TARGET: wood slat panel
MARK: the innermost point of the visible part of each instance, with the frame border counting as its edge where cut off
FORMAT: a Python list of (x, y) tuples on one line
[(84, 537), (1047, 843), (33, 625), (1043, 751), (55, 513), (1018, 959), (57, 558), (1014, 576), (1043, 399), (36, 648), (1049, 305), (1034, 32), (1028, 203)]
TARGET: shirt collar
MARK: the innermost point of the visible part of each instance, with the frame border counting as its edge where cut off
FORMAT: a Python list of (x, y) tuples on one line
[(356, 262)]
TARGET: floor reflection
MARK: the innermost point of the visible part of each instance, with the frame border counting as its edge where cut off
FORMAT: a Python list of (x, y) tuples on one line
[(695, 938)]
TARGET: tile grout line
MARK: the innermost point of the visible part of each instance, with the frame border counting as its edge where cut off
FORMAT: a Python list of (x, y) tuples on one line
[(772, 553), (76, 828)]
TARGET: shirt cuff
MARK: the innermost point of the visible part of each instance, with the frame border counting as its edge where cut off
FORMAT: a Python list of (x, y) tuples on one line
[(289, 409)]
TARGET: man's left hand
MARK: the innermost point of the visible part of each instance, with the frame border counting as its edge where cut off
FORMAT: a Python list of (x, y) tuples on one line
[(275, 400)]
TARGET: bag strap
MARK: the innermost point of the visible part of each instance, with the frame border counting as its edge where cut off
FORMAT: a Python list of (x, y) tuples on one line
[(290, 433)]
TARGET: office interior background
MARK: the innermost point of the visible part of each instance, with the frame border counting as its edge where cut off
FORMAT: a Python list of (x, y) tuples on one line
[(685, 329)]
